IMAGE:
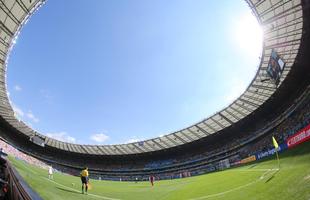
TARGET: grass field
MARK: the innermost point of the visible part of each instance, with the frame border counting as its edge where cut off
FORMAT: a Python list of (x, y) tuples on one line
[(252, 182)]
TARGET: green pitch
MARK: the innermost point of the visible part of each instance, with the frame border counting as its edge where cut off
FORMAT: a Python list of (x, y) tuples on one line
[(252, 182)]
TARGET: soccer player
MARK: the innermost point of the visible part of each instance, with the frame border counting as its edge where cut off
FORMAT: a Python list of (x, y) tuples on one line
[(152, 179), (84, 179), (50, 172)]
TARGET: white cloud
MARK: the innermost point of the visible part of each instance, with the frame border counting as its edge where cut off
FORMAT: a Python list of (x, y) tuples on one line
[(19, 114), (17, 88), (99, 137), (62, 136), (32, 117), (133, 139)]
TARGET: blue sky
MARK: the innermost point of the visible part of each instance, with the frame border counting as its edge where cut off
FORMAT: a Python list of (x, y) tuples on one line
[(108, 72)]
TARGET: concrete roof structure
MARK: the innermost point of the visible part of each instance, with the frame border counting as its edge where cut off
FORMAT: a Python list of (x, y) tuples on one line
[(282, 24)]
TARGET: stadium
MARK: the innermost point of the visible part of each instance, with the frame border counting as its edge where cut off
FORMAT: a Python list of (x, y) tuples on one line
[(229, 155)]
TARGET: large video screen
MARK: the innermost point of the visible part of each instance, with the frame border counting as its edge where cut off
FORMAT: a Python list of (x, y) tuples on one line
[(275, 67), (38, 140)]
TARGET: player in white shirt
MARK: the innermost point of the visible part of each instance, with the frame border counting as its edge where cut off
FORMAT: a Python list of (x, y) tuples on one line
[(50, 172)]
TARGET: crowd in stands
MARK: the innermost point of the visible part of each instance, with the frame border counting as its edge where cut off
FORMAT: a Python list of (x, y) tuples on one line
[(220, 155), (10, 150), (255, 142), (208, 161), (294, 122)]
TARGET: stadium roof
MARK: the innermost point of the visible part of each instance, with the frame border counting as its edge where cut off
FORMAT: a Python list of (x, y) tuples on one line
[(282, 24)]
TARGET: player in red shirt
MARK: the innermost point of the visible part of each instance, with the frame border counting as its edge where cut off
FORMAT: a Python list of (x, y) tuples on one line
[(152, 179)]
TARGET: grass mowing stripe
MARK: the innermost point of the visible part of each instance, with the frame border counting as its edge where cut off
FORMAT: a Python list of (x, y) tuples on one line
[(237, 188), (94, 195), (292, 181), (27, 168)]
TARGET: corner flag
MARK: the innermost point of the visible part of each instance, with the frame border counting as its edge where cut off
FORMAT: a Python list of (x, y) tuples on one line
[(275, 144)]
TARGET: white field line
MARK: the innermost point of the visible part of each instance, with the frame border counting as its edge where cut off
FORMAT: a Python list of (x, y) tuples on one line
[(94, 195), (237, 188), (198, 198), (252, 170)]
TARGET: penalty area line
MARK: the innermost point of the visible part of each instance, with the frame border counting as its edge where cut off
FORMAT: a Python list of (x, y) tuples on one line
[(94, 195)]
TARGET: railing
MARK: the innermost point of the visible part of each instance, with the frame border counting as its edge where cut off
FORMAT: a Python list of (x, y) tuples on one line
[(18, 189)]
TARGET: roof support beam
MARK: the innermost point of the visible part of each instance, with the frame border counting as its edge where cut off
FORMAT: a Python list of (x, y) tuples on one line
[(119, 149), (173, 141), (9, 14), (75, 148), (4, 43), (271, 89), (162, 147), (273, 7), (22, 5), (101, 150), (69, 146), (282, 14), (238, 111), (149, 145), (84, 149), (254, 99), (249, 102), (256, 92), (187, 136), (202, 130), (259, 2), (228, 120), (284, 44), (245, 108), (232, 114), (284, 53), (1, 61), (194, 133), (209, 126), (109, 150), (163, 141), (292, 22), (72, 147), (181, 139), (137, 147), (5, 29), (218, 123), (284, 35)]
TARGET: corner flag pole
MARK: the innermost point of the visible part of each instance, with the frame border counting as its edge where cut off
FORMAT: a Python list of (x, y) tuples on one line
[(278, 158), (276, 146)]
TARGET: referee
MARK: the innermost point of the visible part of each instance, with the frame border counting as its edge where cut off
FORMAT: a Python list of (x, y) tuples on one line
[(84, 179)]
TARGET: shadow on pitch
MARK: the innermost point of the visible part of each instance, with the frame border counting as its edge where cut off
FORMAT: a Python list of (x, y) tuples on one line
[(68, 190), (272, 176)]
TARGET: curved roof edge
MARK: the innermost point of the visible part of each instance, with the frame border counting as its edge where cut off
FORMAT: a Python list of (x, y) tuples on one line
[(282, 23)]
